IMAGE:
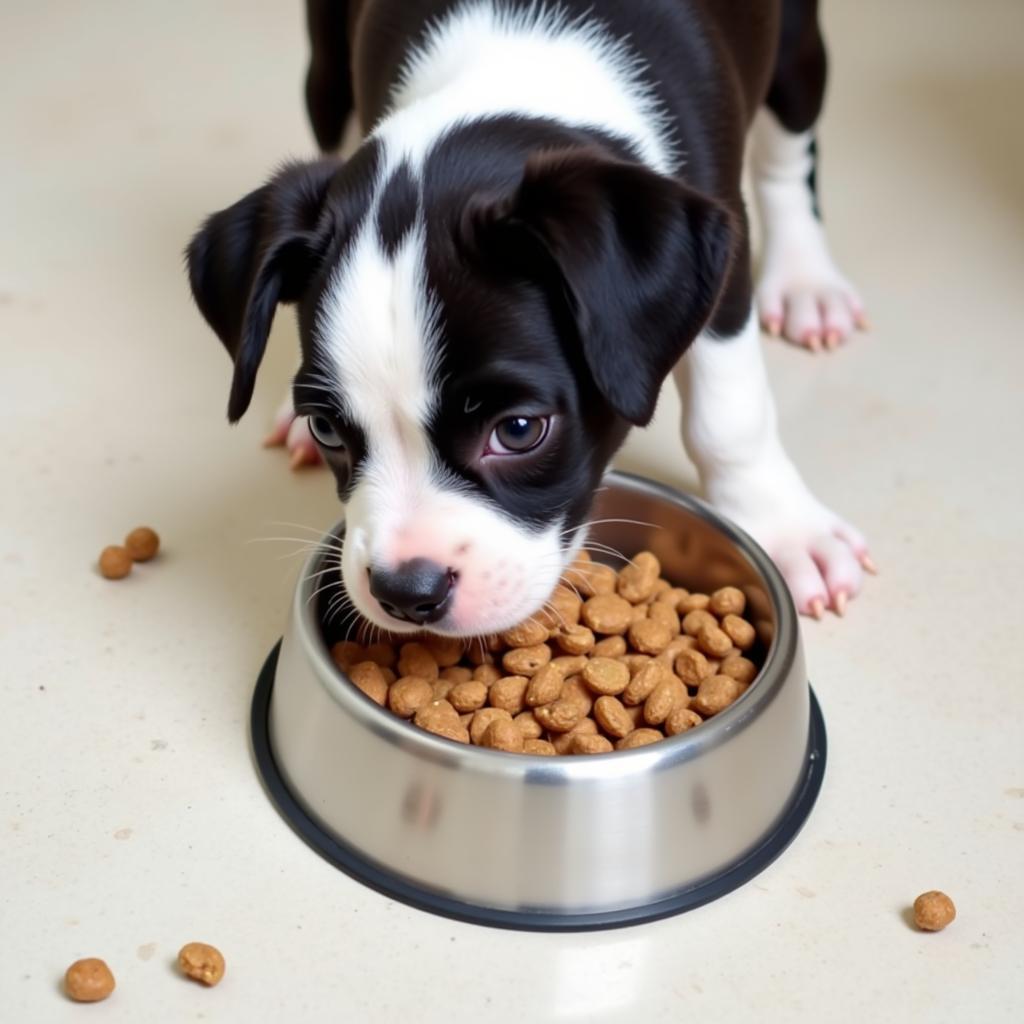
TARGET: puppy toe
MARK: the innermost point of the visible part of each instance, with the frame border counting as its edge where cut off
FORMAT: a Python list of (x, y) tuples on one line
[(840, 569), (803, 322), (837, 318), (806, 584)]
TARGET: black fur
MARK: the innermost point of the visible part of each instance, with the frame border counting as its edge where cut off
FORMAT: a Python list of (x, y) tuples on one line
[(266, 249), (570, 276)]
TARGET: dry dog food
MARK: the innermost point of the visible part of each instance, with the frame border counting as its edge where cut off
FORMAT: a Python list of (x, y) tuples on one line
[(616, 661), (201, 962), (140, 545), (88, 981), (115, 562), (933, 911)]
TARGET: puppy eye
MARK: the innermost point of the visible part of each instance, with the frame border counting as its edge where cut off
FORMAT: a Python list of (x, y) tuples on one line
[(516, 435), (323, 430)]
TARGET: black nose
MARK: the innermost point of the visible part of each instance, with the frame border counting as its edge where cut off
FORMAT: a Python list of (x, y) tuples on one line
[(418, 590)]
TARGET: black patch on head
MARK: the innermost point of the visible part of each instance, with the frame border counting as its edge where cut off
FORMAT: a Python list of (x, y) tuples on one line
[(396, 212), (570, 278), (270, 247)]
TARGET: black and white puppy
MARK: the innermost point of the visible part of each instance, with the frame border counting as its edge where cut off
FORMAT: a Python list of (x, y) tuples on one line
[(543, 217)]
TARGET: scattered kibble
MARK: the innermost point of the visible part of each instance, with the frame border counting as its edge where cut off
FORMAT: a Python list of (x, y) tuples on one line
[(115, 562), (142, 544), (201, 962), (933, 910), (88, 981)]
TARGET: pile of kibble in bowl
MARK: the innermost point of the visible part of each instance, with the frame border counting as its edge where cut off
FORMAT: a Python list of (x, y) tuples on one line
[(616, 660)]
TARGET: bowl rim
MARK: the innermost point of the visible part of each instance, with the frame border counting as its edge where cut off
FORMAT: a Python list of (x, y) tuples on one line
[(671, 751)]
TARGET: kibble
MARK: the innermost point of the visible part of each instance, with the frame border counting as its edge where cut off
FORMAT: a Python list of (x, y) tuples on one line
[(142, 544), (933, 910), (88, 980), (115, 562), (201, 962), (615, 661)]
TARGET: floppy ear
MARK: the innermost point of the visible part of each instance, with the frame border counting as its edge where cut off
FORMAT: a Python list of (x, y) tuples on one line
[(641, 259), (246, 259)]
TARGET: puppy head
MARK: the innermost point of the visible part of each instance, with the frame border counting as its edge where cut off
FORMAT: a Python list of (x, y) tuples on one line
[(476, 343)]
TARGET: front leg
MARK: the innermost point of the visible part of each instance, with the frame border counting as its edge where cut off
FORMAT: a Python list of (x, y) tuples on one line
[(730, 432)]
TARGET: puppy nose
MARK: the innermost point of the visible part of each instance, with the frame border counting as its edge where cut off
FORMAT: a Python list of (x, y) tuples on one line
[(417, 591)]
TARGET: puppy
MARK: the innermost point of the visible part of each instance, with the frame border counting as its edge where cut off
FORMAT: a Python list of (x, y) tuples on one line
[(543, 217)]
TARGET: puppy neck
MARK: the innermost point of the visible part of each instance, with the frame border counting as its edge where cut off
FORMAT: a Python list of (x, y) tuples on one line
[(484, 62)]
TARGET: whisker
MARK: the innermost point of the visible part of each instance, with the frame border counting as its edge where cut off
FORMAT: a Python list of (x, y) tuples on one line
[(602, 522)]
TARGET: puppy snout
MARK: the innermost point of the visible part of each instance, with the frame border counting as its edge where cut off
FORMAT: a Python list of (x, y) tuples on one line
[(418, 590)]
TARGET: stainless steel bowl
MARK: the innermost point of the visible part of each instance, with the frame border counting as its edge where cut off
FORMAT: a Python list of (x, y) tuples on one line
[(566, 842)]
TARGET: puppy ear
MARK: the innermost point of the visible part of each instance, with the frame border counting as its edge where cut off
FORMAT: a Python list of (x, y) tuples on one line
[(261, 251), (641, 259)]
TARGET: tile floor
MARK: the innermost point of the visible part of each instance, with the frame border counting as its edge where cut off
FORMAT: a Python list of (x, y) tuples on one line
[(130, 815)]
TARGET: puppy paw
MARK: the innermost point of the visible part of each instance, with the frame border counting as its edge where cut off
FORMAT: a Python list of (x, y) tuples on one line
[(824, 569), (822, 558), (292, 432), (813, 309)]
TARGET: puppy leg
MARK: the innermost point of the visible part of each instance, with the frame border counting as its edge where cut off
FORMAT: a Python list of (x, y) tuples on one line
[(292, 432), (729, 429), (801, 293), (329, 98)]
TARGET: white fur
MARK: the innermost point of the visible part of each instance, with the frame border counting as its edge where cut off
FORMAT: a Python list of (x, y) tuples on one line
[(378, 324), (377, 330), (800, 288), (484, 61), (730, 432)]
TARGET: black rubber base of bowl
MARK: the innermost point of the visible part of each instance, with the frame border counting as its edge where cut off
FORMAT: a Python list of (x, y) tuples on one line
[(358, 867)]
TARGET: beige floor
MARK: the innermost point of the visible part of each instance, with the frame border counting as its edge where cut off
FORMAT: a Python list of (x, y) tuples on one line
[(130, 816)]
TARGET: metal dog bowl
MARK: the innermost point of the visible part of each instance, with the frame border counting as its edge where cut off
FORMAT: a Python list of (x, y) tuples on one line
[(553, 842)]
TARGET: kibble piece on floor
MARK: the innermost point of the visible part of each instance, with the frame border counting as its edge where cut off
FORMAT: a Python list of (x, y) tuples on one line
[(142, 544), (933, 910), (201, 962), (115, 562), (88, 980)]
